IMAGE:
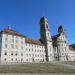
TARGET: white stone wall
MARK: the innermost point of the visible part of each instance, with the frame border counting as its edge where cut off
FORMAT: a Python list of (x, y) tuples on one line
[(50, 51), (71, 55), (55, 51), (62, 48), (35, 53), (14, 45), (19, 51)]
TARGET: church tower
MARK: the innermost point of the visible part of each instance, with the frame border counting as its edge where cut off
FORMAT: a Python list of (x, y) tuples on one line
[(46, 38), (63, 48)]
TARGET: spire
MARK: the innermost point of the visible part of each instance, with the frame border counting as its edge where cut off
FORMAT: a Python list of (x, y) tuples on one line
[(43, 19), (60, 29)]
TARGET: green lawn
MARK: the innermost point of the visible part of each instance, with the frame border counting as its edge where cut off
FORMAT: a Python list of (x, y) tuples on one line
[(35, 68), (69, 62)]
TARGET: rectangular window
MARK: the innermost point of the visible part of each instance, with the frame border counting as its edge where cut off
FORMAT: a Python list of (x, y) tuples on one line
[(32, 45), (16, 54), (65, 48), (26, 49), (16, 41), (5, 59), (21, 54), (6, 39), (27, 55), (12, 40), (5, 45), (29, 49), (12, 46), (21, 47), (12, 53), (16, 47), (50, 54), (21, 42), (38, 50), (35, 50), (16, 59), (5, 53), (11, 59)]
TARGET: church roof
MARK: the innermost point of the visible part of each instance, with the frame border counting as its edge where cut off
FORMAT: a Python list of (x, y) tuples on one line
[(27, 40), (12, 32)]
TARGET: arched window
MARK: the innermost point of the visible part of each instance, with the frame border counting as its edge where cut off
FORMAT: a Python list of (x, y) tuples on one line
[(5, 53), (46, 26), (5, 59), (12, 53)]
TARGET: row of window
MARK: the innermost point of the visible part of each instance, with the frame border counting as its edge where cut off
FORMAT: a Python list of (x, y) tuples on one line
[(21, 60), (21, 47), (65, 54), (14, 47), (17, 40), (12, 40), (35, 55), (34, 60), (62, 50), (61, 44), (35, 50), (32, 45), (12, 36), (27, 54)]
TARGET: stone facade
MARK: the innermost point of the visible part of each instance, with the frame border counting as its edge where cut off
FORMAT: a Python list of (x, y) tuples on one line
[(15, 47)]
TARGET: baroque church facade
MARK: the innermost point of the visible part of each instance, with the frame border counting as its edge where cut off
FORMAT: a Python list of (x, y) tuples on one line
[(15, 47)]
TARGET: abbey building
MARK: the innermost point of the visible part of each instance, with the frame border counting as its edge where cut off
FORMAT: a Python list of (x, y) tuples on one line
[(15, 47)]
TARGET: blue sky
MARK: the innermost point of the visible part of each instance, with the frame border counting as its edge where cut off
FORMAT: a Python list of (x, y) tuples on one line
[(24, 15)]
